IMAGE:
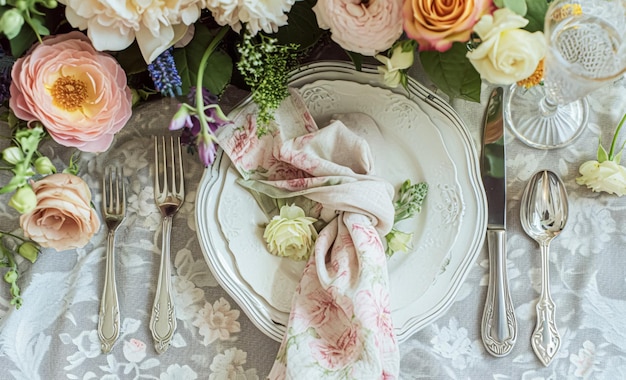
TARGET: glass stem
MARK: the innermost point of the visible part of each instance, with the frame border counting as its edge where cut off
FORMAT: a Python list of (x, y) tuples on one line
[(547, 106)]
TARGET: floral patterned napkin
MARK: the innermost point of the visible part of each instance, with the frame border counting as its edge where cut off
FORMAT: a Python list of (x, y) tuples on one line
[(340, 322)]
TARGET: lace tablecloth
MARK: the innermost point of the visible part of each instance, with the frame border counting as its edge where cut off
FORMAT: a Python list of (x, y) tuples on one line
[(53, 335)]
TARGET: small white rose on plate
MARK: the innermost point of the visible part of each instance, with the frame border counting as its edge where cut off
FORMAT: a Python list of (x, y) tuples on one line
[(291, 234)]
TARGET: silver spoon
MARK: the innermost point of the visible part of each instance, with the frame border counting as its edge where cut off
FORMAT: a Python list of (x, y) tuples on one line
[(543, 215)]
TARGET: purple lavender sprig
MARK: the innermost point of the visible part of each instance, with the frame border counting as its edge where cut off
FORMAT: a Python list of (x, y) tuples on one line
[(209, 116), (187, 119), (165, 75)]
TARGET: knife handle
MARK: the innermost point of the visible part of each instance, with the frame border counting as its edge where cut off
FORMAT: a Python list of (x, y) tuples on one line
[(499, 326)]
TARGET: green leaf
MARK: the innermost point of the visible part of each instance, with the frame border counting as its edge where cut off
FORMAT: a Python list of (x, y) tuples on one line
[(302, 28), (602, 154), (516, 6), (131, 59), (357, 59), (536, 14), (452, 72), (219, 66), (23, 41)]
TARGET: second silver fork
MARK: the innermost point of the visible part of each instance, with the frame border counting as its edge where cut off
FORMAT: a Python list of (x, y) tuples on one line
[(169, 195), (114, 210)]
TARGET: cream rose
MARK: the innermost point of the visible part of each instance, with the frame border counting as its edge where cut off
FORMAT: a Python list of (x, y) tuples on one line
[(507, 53), (77, 93), (607, 176), (63, 218), (265, 15), (365, 27), (435, 25), (291, 234), (114, 25)]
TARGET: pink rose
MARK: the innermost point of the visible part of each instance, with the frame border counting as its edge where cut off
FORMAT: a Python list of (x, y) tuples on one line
[(365, 27), (435, 25), (63, 218), (79, 94)]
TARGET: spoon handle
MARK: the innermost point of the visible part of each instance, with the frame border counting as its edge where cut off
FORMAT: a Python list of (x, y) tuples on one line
[(545, 340), (499, 326)]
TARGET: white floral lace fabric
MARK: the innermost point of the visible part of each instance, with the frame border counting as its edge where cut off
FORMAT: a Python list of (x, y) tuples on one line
[(53, 336)]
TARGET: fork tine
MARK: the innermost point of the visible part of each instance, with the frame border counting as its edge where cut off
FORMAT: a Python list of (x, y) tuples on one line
[(123, 204), (181, 171)]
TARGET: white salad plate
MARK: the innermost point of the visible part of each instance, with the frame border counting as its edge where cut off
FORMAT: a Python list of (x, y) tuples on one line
[(424, 140)]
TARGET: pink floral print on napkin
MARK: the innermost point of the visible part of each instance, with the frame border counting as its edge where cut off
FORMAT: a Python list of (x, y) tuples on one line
[(340, 323)]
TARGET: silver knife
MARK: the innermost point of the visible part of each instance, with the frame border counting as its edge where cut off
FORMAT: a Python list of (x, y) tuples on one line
[(499, 325)]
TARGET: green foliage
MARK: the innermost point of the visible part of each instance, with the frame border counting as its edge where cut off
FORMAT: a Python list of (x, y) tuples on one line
[(452, 73), (536, 14), (302, 28), (218, 70), (265, 67)]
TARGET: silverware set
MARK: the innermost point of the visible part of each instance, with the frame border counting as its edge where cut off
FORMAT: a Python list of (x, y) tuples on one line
[(169, 195), (543, 215)]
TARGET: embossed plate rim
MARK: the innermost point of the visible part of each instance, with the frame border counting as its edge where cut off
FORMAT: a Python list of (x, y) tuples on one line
[(441, 294)]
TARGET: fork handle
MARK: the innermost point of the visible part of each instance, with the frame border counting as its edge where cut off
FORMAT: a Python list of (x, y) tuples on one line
[(109, 316), (163, 320)]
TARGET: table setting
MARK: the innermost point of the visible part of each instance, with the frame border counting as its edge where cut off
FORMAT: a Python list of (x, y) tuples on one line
[(312, 189)]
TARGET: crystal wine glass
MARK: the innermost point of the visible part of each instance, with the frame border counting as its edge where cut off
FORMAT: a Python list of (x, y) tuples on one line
[(586, 50)]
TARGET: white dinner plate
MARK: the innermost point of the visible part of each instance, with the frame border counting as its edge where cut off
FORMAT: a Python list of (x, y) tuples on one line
[(424, 141)]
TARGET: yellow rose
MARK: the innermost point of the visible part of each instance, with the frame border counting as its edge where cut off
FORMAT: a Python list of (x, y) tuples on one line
[(607, 176), (507, 53), (435, 25), (291, 234)]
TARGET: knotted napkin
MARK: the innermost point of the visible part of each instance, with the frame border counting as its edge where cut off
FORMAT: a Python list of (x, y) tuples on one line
[(340, 323)]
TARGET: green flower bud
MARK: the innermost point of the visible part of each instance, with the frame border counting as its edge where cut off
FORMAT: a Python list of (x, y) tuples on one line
[(10, 276), (12, 155), (43, 165), (11, 23), (24, 200), (29, 251)]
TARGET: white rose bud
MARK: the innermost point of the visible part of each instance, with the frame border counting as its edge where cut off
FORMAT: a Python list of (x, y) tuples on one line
[(12, 155), (24, 200), (11, 23), (607, 176), (291, 234), (43, 165)]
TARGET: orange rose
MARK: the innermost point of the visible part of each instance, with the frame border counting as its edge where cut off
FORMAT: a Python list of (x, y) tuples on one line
[(79, 94), (63, 218), (435, 25)]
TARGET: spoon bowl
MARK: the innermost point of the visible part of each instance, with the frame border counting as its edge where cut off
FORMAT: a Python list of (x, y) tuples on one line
[(543, 214)]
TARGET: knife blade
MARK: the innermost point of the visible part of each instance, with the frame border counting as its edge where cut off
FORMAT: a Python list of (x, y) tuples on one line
[(499, 325)]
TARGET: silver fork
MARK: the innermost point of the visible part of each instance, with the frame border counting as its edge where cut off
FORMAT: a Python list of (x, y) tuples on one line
[(114, 210), (168, 196)]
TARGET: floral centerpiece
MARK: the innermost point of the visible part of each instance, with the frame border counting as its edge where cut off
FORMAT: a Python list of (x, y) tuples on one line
[(71, 70)]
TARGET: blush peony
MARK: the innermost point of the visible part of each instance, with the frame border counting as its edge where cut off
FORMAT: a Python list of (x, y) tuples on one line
[(79, 94), (365, 27), (435, 25), (63, 218)]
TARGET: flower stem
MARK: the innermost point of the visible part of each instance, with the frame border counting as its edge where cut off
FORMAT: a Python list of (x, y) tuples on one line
[(204, 126), (619, 126)]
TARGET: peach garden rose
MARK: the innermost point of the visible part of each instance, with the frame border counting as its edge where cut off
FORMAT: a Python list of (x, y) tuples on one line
[(435, 25), (63, 217), (79, 94), (365, 27)]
